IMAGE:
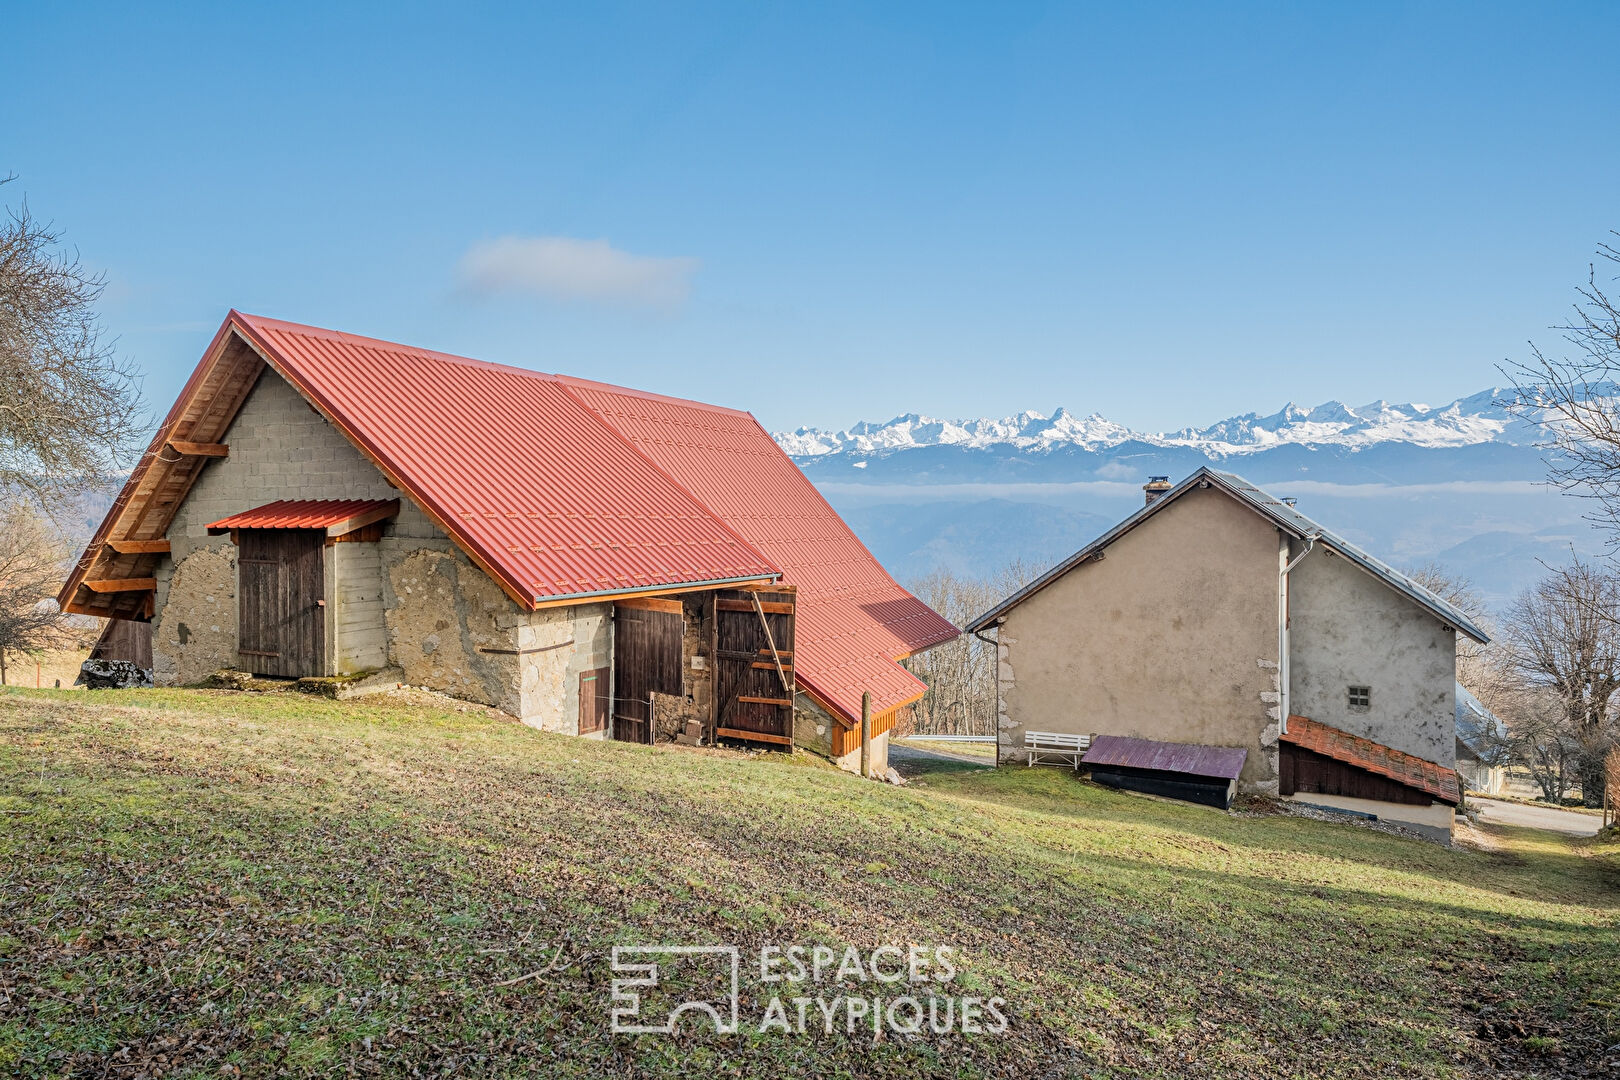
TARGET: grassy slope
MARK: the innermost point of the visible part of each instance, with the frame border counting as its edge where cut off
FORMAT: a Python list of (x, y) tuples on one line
[(281, 882)]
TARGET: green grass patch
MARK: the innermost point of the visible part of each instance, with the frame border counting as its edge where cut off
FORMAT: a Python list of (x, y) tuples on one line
[(193, 882)]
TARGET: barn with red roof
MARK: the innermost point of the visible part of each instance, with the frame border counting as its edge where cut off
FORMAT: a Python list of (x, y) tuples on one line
[(594, 560)]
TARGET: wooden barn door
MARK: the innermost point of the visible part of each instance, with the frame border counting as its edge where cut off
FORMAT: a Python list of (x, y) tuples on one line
[(594, 695), (281, 590), (646, 660), (753, 668)]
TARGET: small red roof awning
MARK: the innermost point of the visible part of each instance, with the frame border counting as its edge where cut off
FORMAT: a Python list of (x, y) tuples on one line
[(335, 516), (1376, 758)]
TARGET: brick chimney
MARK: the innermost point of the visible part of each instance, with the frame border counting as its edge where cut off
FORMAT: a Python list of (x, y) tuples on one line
[(1155, 488)]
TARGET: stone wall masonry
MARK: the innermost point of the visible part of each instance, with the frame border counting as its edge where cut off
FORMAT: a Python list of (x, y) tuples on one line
[(194, 630), (441, 613)]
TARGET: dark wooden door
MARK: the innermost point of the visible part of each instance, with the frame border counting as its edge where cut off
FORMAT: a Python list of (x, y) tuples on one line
[(281, 592), (753, 668), (646, 660), (594, 696)]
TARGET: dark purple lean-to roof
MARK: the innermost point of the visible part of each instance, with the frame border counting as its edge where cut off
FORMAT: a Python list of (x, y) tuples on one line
[(1224, 762)]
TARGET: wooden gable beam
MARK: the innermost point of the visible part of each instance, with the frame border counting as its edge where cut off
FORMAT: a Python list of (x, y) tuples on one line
[(139, 547), (118, 585), (199, 449), (369, 517)]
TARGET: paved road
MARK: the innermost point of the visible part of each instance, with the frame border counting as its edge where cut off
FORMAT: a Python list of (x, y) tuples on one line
[(1537, 817)]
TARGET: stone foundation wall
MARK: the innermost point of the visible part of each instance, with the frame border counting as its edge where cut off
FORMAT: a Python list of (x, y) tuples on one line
[(812, 730), (194, 629)]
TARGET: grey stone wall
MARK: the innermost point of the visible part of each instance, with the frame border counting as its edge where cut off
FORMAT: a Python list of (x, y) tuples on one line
[(1348, 628), (813, 728)]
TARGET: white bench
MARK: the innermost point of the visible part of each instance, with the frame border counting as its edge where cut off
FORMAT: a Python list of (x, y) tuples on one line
[(1044, 744)]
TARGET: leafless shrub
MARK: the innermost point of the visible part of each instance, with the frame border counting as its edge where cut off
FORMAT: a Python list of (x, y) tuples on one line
[(961, 675), (1612, 776), (32, 561), (1564, 636), (69, 405)]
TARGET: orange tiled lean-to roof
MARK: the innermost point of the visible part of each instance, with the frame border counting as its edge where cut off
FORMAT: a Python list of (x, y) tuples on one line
[(1403, 768), (303, 514), (563, 490)]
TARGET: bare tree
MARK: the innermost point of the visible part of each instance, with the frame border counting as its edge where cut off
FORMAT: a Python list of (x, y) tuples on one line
[(32, 560), (1576, 400), (961, 674), (69, 405), (1565, 639), (1542, 742)]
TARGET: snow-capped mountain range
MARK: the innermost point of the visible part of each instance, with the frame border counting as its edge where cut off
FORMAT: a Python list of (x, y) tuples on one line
[(1462, 485), (1479, 418)]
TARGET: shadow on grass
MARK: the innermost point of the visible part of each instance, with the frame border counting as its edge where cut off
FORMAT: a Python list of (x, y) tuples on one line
[(1592, 881)]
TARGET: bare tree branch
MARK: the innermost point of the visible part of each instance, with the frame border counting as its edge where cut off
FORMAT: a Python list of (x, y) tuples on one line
[(1575, 399), (69, 405)]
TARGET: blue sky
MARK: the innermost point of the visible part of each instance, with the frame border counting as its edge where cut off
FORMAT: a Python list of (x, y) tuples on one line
[(1164, 213)]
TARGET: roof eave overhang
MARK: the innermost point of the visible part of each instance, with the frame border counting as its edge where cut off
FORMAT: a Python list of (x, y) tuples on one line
[(601, 595), (851, 722), (66, 598)]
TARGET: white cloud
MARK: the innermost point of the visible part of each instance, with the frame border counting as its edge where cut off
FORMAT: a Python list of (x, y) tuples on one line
[(562, 268)]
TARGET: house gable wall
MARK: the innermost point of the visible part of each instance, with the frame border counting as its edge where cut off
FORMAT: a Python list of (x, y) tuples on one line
[(1346, 628), (1172, 635)]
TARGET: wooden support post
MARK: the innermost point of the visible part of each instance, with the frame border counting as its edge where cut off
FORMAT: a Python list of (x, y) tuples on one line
[(866, 735)]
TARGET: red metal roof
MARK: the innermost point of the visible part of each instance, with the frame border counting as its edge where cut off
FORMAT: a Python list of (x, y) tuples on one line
[(854, 621), (1224, 762), (546, 496), (1403, 768), (300, 514), (565, 488)]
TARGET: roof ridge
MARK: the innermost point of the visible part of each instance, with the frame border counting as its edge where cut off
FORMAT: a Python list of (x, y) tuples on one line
[(310, 330)]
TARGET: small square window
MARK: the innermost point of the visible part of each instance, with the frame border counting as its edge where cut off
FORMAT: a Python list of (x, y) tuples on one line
[(1360, 697)]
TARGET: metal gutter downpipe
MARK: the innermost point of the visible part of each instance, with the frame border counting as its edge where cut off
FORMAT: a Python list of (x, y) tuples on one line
[(1284, 569), (995, 682)]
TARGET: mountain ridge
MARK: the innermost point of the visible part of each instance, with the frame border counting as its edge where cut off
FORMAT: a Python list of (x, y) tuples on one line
[(1466, 421)]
